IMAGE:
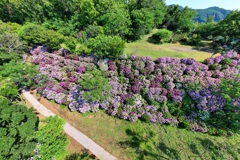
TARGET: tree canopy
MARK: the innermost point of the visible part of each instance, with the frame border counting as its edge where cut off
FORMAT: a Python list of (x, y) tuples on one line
[(179, 20), (17, 131)]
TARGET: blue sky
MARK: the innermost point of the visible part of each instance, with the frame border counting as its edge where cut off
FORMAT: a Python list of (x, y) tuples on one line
[(201, 4)]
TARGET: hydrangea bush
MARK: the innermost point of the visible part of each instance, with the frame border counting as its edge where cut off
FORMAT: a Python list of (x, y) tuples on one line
[(171, 91)]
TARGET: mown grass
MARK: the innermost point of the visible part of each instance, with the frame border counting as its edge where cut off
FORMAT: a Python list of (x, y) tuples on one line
[(172, 143), (144, 48)]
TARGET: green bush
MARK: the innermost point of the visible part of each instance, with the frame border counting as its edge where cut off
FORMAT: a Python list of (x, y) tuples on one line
[(179, 38), (106, 46), (61, 26), (10, 27), (93, 31), (195, 39), (162, 36), (17, 131), (52, 139), (9, 40), (38, 35), (146, 118), (8, 88), (206, 30), (20, 73)]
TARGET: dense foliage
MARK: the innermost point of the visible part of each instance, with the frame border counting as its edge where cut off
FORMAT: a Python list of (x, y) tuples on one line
[(35, 35), (227, 34), (52, 139), (20, 74), (165, 91), (179, 20), (17, 131), (130, 19), (206, 30), (162, 36), (106, 46)]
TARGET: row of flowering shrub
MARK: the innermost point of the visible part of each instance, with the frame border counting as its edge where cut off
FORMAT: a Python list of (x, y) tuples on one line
[(166, 91)]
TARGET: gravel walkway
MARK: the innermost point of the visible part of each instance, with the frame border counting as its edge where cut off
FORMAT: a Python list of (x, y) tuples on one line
[(86, 142)]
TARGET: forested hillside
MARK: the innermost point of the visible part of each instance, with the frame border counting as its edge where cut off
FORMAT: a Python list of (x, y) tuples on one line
[(218, 14)]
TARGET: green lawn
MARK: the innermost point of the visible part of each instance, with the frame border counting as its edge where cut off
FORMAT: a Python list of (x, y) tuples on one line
[(144, 48), (172, 142)]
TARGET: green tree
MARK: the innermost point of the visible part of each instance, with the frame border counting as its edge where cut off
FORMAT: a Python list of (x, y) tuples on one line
[(179, 20), (19, 73), (185, 21), (206, 30), (10, 44), (21, 11), (230, 26), (8, 88), (52, 139), (84, 13), (142, 23), (194, 39), (37, 35), (93, 31), (116, 21), (229, 30), (17, 131), (106, 46), (145, 15)]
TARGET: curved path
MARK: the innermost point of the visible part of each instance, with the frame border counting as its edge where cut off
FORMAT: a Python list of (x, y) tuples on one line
[(86, 142)]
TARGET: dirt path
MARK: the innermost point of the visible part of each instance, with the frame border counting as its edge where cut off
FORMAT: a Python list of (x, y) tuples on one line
[(89, 144)]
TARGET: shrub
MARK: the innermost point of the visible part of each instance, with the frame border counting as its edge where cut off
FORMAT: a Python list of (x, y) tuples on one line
[(38, 35), (10, 27), (52, 139), (8, 88), (19, 73), (17, 131), (70, 44), (162, 36), (106, 46), (146, 118), (63, 27), (195, 39), (179, 38), (9, 40), (93, 31)]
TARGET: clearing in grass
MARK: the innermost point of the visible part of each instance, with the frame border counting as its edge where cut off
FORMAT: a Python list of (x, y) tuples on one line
[(144, 48)]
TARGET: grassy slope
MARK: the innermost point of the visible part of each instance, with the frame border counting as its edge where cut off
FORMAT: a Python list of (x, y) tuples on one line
[(144, 48), (110, 133)]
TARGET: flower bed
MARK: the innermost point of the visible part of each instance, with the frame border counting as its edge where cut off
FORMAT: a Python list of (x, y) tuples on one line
[(165, 91)]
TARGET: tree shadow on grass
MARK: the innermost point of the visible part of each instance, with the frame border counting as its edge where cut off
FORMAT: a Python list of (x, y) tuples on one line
[(147, 149), (170, 152), (215, 151), (153, 41), (85, 155)]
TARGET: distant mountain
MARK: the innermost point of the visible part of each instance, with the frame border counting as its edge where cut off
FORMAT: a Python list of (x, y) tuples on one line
[(218, 13)]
